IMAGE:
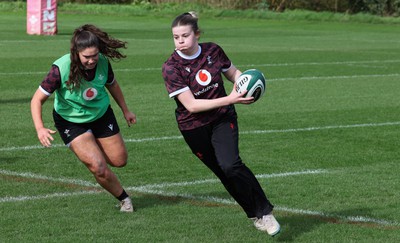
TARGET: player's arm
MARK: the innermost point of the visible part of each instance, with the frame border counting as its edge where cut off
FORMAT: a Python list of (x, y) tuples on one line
[(232, 74), (44, 134), (116, 93), (194, 105)]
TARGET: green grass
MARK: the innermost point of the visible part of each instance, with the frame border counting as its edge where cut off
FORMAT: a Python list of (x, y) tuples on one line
[(331, 108)]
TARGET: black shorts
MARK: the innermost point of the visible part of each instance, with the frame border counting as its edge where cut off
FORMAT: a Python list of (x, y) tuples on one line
[(105, 126), (216, 144)]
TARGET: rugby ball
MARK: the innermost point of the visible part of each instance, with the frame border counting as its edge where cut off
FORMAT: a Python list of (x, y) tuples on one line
[(253, 81)]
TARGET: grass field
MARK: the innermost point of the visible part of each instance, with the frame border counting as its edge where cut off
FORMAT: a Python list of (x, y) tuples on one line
[(324, 140)]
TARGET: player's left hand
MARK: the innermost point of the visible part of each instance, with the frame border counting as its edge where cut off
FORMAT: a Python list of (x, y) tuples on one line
[(238, 98), (130, 118)]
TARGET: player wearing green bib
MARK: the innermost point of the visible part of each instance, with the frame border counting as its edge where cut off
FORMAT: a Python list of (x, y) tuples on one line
[(90, 101), (82, 113)]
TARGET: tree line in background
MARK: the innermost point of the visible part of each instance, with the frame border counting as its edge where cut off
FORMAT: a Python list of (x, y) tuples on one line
[(375, 7)]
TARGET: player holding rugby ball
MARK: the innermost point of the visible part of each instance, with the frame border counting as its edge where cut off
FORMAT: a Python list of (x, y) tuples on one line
[(207, 118)]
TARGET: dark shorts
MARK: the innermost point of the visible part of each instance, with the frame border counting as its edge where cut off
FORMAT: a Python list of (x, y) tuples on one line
[(216, 144), (105, 126)]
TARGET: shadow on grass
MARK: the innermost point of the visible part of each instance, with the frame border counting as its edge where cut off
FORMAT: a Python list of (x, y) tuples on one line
[(16, 101), (293, 226), (146, 200), (9, 160)]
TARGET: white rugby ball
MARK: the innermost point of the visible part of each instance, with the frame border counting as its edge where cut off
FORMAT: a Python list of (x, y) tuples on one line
[(253, 81)]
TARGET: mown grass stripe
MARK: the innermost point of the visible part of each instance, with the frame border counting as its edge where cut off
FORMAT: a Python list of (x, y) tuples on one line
[(151, 139), (149, 189)]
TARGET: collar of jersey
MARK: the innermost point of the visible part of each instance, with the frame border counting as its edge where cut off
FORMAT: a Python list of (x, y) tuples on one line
[(189, 57)]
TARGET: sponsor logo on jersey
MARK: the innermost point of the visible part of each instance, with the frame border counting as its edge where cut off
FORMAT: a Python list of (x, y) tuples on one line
[(90, 93), (203, 77), (205, 89)]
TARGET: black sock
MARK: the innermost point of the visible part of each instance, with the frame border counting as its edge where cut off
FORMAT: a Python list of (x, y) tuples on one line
[(123, 195)]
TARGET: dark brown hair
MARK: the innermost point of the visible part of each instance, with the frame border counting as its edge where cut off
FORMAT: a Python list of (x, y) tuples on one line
[(90, 36), (189, 18)]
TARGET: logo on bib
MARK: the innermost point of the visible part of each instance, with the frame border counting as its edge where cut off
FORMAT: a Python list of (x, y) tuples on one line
[(90, 93), (203, 77)]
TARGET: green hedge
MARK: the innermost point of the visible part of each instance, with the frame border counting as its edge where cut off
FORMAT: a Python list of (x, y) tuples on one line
[(376, 7)]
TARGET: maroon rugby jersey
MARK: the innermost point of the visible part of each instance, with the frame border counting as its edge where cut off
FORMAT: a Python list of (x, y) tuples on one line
[(201, 74)]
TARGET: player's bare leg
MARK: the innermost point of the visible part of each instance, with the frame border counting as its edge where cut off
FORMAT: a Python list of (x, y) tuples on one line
[(87, 150)]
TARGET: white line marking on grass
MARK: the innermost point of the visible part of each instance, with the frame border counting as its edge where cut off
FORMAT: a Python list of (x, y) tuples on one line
[(268, 80), (336, 77), (31, 147), (47, 178), (295, 173), (54, 195), (181, 195), (132, 140), (241, 65), (148, 190), (318, 63), (207, 181), (323, 128), (151, 139), (359, 219), (250, 65), (162, 185)]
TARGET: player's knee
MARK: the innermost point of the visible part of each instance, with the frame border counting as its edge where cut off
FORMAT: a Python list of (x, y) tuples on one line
[(231, 170), (99, 170), (120, 161)]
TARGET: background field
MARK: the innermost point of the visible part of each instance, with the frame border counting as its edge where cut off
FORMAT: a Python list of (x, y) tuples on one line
[(324, 141)]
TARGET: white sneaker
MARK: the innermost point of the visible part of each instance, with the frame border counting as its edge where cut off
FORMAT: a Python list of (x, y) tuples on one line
[(126, 205), (267, 223)]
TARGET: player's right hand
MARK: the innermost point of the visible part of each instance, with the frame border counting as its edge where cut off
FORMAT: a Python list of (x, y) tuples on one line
[(45, 136)]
